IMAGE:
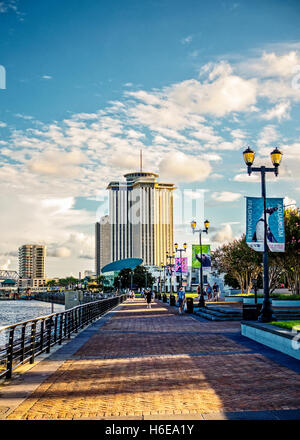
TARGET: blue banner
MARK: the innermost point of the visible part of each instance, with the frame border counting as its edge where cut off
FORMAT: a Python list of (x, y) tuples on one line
[(255, 224)]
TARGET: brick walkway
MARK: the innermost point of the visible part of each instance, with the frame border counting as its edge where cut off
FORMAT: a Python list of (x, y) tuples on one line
[(153, 362)]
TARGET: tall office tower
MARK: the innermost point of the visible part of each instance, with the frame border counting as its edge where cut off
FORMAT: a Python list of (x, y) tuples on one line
[(142, 221), (32, 261), (102, 244)]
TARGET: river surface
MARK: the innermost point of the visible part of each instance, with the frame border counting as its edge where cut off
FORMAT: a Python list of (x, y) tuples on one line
[(12, 312)]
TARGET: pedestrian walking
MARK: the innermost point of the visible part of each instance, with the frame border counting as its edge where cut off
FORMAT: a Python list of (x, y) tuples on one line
[(208, 291), (148, 298), (181, 300), (216, 291)]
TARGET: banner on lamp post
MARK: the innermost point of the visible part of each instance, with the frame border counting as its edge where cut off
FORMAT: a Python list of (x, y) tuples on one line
[(181, 265), (255, 224), (206, 257)]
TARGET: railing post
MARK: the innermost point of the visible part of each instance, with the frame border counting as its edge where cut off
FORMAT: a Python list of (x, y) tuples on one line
[(10, 353), (23, 343), (49, 325), (55, 329), (61, 319), (42, 335), (69, 325), (76, 320), (32, 342), (66, 321)]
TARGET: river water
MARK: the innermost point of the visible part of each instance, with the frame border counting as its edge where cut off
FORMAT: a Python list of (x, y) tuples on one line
[(12, 312)]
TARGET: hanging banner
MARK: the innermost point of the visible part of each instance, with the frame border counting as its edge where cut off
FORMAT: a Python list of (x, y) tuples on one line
[(181, 265), (206, 257), (255, 224)]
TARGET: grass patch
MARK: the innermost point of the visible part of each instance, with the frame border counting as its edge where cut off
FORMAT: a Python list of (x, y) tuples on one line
[(187, 294), (272, 295), (288, 325)]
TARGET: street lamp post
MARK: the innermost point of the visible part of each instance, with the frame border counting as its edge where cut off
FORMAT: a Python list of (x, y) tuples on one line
[(266, 314), (131, 281), (164, 269), (180, 253), (160, 270), (206, 225), (170, 265)]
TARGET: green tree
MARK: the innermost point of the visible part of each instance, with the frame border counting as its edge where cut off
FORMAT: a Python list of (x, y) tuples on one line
[(141, 278), (290, 259), (238, 262), (100, 280), (52, 283)]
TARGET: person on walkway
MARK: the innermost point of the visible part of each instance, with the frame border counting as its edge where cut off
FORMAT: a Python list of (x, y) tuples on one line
[(216, 291), (181, 300), (148, 298), (208, 291)]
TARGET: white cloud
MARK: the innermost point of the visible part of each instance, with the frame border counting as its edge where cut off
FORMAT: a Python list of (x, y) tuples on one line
[(226, 196), (55, 163), (47, 77), (53, 223), (290, 203), (227, 93), (5, 265), (224, 235), (187, 40), (272, 65), (280, 111), (60, 252), (26, 117), (184, 168), (246, 178), (7, 5)]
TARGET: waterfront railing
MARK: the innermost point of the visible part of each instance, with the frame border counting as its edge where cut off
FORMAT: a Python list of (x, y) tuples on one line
[(28, 339)]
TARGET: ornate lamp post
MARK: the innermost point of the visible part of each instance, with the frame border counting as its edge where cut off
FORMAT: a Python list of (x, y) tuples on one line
[(206, 226), (170, 265), (160, 270), (180, 253), (266, 314), (164, 269)]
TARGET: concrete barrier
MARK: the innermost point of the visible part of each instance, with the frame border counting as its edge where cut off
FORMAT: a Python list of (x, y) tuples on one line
[(285, 341)]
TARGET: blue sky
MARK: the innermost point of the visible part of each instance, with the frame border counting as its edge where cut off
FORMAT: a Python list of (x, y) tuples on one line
[(89, 84)]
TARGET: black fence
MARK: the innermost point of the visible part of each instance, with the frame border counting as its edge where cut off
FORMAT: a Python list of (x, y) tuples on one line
[(28, 339)]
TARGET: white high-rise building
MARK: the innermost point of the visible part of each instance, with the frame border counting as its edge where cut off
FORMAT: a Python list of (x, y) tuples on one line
[(141, 217)]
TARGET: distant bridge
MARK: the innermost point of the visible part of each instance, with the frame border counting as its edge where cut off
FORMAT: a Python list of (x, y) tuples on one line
[(9, 275)]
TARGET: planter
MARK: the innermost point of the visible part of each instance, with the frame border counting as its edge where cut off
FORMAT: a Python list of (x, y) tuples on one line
[(282, 340), (252, 300), (234, 298), (285, 303)]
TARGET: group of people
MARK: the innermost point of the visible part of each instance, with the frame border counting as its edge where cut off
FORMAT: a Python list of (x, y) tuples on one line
[(211, 292)]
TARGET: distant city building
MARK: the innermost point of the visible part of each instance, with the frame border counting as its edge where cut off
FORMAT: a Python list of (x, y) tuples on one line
[(102, 244), (32, 261), (141, 211), (32, 282), (88, 273)]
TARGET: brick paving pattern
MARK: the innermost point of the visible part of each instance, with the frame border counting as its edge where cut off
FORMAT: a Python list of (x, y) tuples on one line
[(144, 362)]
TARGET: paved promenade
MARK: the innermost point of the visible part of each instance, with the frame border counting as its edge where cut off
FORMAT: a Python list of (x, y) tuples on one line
[(144, 363)]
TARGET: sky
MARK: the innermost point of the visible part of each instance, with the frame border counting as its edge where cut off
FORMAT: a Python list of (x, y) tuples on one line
[(88, 85)]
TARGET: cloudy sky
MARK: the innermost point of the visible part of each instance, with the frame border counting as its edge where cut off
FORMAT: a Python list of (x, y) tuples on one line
[(89, 84)]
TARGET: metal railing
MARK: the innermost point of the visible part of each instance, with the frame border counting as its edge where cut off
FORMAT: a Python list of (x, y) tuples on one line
[(29, 339)]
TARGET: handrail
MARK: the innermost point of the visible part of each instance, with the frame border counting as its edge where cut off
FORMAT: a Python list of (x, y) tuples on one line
[(38, 335)]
